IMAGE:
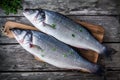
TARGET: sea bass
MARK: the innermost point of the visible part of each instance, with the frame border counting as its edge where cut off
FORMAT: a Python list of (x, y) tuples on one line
[(65, 30), (52, 51)]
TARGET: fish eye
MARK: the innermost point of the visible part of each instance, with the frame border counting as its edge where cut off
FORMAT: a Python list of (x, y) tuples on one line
[(31, 12), (43, 15)]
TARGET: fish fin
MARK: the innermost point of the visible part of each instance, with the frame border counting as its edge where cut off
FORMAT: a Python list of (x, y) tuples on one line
[(49, 25), (108, 52), (38, 59), (21, 41), (34, 45), (31, 45), (100, 71)]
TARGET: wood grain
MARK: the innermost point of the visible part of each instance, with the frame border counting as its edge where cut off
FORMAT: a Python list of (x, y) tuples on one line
[(110, 75), (72, 7), (49, 76)]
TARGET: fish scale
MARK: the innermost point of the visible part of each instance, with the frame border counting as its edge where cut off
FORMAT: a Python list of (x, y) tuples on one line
[(60, 57), (66, 30), (68, 23)]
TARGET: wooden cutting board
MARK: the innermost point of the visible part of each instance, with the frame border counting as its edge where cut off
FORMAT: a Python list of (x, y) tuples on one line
[(96, 30)]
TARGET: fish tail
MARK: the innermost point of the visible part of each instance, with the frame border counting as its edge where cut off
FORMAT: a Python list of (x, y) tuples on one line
[(108, 52), (100, 71)]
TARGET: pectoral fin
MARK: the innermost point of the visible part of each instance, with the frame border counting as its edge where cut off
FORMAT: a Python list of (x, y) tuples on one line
[(38, 59), (49, 25)]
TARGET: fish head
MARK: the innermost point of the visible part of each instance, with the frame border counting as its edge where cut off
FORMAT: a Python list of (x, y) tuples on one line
[(22, 36), (36, 15)]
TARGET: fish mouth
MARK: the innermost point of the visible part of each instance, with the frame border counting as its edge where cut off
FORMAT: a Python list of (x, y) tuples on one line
[(31, 10), (36, 15), (16, 31), (26, 11)]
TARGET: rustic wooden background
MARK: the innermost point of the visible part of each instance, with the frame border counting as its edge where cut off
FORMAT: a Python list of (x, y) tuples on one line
[(18, 64)]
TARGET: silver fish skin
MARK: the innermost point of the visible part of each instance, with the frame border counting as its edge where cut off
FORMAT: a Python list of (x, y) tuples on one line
[(64, 29), (52, 51)]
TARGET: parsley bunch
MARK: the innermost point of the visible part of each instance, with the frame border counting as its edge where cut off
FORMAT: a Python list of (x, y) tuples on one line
[(10, 6)]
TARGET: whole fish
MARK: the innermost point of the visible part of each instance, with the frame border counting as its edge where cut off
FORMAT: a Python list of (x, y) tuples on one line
[(65, 30), (52, 51)]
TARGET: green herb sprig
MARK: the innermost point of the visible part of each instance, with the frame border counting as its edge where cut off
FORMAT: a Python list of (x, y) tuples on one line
[(10, 6), (53, 26), (73, 35), (64, 55)]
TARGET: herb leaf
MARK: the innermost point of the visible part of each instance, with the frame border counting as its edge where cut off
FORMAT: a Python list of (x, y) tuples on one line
[(73, 35), (71, 52), (42, 55), (53, 26), (42, 50), (11, 6), (54, 49), (64, 55), (80, 30)]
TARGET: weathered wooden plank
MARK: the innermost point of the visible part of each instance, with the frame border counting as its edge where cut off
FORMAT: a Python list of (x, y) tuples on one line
[(110, 24), (78, 7), (15, 58), (114, 63), (110, 75), (113, 75), (49, 76)]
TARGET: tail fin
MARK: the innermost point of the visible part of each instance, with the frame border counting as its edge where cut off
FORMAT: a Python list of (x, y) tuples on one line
[(108, 52), (100, 71)]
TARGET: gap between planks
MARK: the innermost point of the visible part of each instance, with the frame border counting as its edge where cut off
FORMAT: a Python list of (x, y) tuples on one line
[(64, 14), (19, 44), (51, 71)]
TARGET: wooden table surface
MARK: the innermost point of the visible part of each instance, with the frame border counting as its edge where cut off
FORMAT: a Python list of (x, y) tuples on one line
[(18, 64)]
